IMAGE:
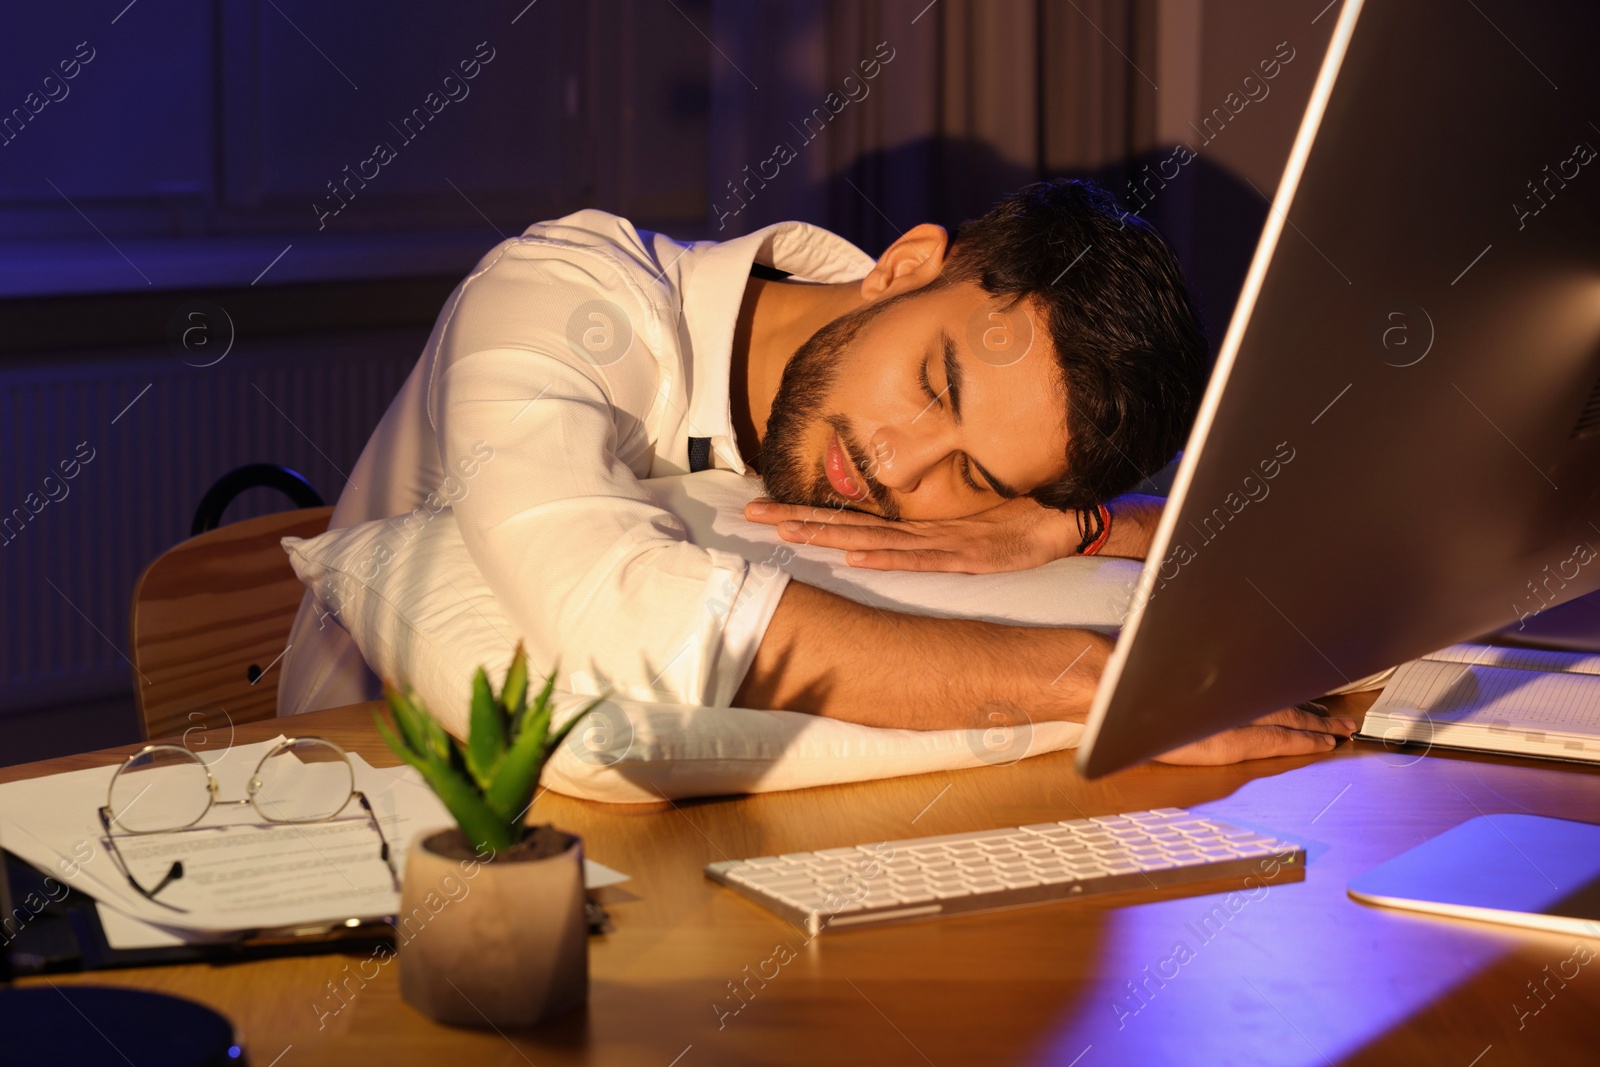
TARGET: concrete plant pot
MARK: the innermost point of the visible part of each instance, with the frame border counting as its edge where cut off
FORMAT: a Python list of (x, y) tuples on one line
[(501, 942)]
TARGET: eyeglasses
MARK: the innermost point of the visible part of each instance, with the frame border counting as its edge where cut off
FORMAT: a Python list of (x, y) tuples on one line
[(162, 788)]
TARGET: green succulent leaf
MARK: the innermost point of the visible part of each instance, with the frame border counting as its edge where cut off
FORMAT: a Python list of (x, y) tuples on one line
[(488, 782), (440, 745), (540, 701), (407, 718), (400, 747), (517, 777), (537, 719), (486, 731), (477, 820), (511, 790), (555, 739), (514, 694)]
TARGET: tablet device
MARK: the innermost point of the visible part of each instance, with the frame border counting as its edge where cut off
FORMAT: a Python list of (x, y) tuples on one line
[(1526, 870)]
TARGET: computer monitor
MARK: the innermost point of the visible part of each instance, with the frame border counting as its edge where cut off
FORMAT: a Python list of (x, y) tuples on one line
[(1400, 444)]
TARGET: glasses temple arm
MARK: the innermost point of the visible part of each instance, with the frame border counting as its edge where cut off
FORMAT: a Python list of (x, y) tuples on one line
[(173, 873)]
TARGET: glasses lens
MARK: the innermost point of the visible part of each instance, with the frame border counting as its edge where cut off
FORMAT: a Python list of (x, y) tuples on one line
[(305, 780), (164, 788)]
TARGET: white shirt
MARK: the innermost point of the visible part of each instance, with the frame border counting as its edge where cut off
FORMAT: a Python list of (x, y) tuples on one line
[(572, 362)]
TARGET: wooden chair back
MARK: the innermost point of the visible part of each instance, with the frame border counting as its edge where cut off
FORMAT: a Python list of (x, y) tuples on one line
[(210, 620)]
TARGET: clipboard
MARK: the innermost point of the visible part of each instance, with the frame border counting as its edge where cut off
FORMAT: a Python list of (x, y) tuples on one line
[(48, 927)]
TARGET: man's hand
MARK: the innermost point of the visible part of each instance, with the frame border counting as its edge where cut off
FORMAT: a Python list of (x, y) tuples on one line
[(1016, 535), (1291, 732)]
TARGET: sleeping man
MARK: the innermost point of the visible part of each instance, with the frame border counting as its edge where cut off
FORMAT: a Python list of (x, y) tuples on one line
[(975, 402)]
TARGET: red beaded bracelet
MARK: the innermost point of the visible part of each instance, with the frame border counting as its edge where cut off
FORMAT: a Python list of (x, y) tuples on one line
[(1105, 532)]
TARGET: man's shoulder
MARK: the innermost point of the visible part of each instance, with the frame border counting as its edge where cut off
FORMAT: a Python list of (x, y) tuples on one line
[(561, 284), (587, 236), (588, 226), (589, 248)]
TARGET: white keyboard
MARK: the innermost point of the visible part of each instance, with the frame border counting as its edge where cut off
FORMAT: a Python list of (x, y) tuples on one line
[(953, 873)]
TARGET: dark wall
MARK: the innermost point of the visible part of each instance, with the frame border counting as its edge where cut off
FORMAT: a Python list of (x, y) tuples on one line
[(316, 177)]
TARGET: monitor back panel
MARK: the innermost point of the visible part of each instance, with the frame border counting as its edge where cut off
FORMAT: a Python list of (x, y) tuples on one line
[(1400, 444)]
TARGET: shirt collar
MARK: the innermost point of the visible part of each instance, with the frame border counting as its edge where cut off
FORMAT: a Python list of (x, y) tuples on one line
[(714, 277)]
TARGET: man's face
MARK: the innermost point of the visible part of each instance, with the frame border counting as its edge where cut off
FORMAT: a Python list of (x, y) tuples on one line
[(928, 405)]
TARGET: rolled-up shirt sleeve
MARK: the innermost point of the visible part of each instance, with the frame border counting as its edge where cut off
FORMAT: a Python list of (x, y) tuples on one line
[(592, 571)]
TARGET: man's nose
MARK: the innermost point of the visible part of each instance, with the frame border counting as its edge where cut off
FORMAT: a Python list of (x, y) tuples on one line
[(901, 460)]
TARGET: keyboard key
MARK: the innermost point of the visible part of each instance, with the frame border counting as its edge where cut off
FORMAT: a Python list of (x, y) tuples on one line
[(967, 838), (804, 901), (792, 886), (1003, 844)]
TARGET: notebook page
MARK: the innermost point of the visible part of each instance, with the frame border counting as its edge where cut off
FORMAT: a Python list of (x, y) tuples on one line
[(1493, 697), (1528, 659)]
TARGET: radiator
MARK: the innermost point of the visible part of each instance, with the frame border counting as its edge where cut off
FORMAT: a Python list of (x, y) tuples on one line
[(104, 456)]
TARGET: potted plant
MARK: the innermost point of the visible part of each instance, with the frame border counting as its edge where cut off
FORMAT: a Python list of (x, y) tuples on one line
[(491, 929)]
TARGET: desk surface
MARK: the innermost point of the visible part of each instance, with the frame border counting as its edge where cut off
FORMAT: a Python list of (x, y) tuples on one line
[(1297, 973)]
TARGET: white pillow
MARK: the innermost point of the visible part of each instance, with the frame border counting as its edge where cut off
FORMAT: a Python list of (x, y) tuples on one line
[(426, 615)]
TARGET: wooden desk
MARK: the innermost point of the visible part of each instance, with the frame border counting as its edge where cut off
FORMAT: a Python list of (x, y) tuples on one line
[(1298, 974)]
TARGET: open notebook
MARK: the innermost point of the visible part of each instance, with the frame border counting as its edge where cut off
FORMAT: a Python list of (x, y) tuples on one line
[(1520, 701)]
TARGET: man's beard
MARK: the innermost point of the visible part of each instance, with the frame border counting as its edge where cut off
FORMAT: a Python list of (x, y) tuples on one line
[(787, 469)]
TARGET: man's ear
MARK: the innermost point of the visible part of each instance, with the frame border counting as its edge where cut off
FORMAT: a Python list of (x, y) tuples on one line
[(914, 260)]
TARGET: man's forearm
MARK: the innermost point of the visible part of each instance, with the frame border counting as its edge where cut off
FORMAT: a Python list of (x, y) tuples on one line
[(831, 656)]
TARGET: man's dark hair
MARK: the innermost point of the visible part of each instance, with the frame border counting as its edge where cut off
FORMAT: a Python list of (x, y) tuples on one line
[(1133, 357)]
